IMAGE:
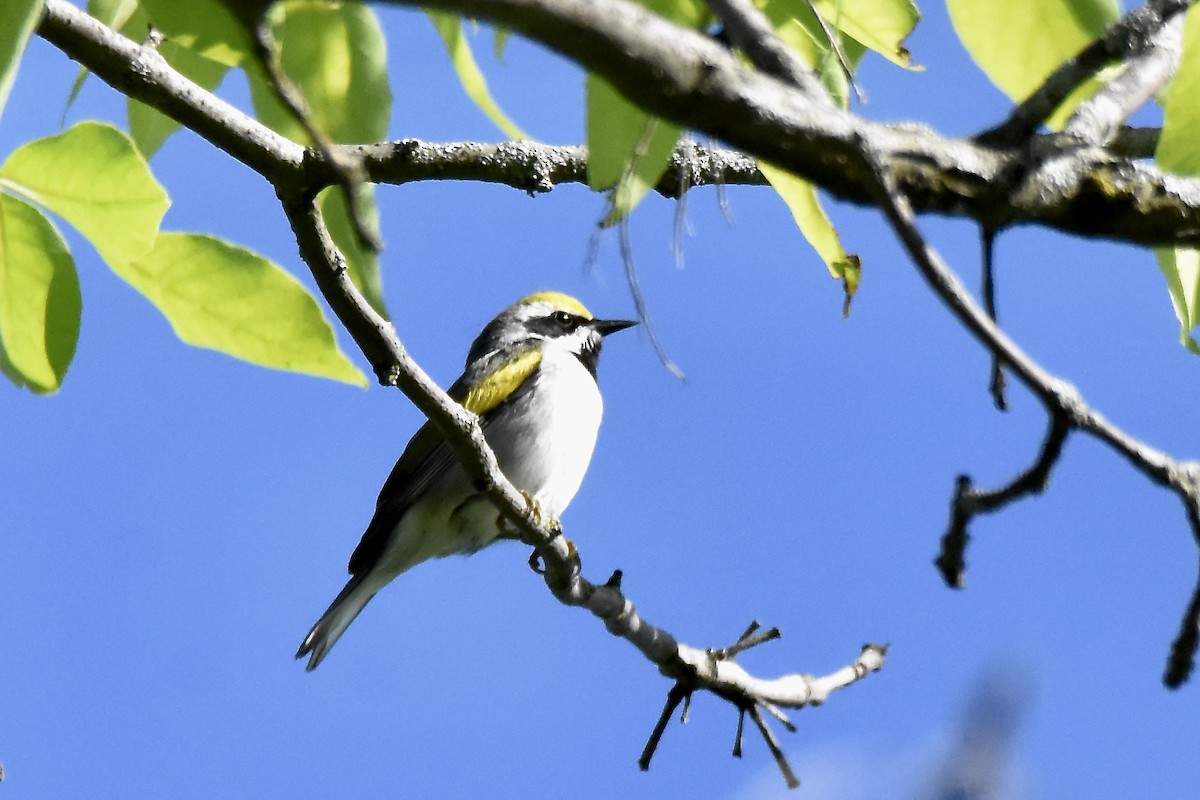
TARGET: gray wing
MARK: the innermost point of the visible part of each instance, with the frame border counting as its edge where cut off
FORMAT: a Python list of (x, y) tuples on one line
[(424, 460)]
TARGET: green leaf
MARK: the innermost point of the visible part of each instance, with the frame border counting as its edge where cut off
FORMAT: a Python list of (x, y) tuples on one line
[(1181, 267), (499, 42), (205, 26), (1178, 145), (802, 201), (881, 25), (362, 263), (449, 27), (17, 21), (336, 55), (693, 14), (226, 298), (1179, 152), (628, 149), (39, 298), (150, 127), (93, 177), (1018, 43)]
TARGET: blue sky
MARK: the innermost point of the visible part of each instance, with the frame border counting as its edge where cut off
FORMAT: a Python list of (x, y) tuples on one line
[(174, 520)]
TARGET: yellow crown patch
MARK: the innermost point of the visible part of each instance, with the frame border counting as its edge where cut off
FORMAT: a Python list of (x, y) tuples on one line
[(560, 301)]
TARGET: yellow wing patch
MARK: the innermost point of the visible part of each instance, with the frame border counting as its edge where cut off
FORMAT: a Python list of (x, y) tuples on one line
[(501, 382), (560, 301)]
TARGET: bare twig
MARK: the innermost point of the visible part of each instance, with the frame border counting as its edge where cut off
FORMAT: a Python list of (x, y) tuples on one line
[(969, 501), (996, 383), (350, 174), (639, 301), (1063, 402), (773, 745), (835, 45)]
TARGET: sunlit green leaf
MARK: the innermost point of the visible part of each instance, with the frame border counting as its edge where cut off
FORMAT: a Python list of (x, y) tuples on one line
[(1179, 152), (881, 25), (1181, 267), (628, 150), (817, 228), (150, 127), (1018, 43), (1179, 145), (336, 55), (449, 27), (92, 176), (688, 13), (17, 20), (361, 262), (39, 298), (226, 298), (206, 26)]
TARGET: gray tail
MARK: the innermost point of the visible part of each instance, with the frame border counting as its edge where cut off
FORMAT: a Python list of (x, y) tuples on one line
[(335, 620)]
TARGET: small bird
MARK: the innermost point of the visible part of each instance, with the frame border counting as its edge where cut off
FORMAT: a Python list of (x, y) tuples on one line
[(531, 378)]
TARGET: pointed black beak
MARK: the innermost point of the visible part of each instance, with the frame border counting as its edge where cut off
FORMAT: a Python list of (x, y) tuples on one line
[(607, 326)]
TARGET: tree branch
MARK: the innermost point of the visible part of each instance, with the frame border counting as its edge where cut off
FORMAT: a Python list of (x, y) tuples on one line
[(1063, 402), (1055, 183), (1097, 119)]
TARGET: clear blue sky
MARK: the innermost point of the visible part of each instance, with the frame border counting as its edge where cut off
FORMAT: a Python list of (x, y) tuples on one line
[(173, 521)]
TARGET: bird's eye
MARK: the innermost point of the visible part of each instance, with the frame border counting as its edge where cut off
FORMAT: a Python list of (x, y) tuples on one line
[(563, 320)]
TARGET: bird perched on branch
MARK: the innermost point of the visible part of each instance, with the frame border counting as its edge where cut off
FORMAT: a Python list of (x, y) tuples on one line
[(531, 379)]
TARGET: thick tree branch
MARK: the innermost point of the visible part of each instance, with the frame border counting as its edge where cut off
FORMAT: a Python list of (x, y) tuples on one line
[(1055, 183), (691, 80)]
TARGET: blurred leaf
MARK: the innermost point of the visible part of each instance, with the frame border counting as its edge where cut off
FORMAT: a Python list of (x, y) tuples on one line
[(1018, 43), (39, 298), (226, 298), (449, 27), (150, 127), (93, 177), (499, 42), (1179, 152), (1178, 145), (881, 25), (17, 21), (628, 149), (205, 26), (362, 263), (1181, 267), (815, 225), (693, 14), (336, 55)]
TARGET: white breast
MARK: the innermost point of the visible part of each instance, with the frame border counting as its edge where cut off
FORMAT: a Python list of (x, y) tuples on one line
[(545, 449)]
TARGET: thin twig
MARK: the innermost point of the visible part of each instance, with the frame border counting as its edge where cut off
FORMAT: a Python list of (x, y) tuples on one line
[(674, 697), (351, 175), (996, 383), (835, 44), (773, 745), (969, 501), (639, 301)]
